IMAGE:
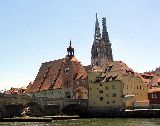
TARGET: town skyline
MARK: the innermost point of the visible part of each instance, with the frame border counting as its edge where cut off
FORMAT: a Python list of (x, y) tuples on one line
[(33, 34)]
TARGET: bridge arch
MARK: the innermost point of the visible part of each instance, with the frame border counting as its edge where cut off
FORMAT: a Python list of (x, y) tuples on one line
[(35, 108), (73, 109)]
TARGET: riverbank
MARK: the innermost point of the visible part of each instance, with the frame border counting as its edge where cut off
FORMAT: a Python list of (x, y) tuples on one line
[(26, 119), (61, 117), (137, 113), (39, 119)]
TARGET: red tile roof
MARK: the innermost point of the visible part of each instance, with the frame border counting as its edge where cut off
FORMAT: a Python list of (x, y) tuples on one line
[(148, 74), (154, 90), (155, 81), (116, 70), (50, 75), (88, 68), (12, 91)]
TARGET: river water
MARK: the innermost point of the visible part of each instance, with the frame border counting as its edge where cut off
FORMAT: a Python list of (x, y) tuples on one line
[(90, 122)]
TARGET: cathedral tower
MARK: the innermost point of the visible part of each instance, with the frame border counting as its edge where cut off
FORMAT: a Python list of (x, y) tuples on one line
[(101, 51)]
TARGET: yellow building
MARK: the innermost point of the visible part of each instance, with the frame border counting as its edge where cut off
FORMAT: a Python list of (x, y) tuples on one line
[(105, 95), (130, 89)]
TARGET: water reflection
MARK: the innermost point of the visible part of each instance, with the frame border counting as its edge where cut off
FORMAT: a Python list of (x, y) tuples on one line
[(89, 122)]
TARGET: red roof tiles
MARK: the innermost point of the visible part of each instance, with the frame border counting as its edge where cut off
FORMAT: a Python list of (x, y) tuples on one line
[(155, 81), (50, 75), (154, 90)]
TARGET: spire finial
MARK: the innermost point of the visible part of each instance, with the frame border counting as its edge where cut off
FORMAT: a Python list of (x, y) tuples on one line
[(70, 43)]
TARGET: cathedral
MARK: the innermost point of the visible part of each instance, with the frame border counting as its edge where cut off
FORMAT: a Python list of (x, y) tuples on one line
[(101, 52), (108, 78)]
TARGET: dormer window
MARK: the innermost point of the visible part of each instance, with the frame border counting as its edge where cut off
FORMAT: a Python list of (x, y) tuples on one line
[(66, 70), (109, 68), (154, 95)]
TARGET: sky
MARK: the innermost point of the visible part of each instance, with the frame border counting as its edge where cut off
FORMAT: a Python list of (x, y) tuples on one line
[(37, 31)]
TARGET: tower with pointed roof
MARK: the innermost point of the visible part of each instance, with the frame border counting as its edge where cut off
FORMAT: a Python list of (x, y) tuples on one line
[(101, 51), (70, 50)]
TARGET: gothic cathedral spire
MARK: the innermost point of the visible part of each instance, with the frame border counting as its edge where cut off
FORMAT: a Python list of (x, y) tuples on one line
[(97, 35), (104, 30), (101, 51)]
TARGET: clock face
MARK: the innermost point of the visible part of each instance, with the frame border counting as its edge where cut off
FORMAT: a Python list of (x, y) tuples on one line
[(66, 70)]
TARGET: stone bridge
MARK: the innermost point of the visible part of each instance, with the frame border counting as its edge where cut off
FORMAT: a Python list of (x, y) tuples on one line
[(61, 105), (40, 105)]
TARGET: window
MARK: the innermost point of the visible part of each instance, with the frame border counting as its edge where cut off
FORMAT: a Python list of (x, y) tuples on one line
[(101, 91), (154, 95), (101, 98), (113, 86), (67, 94), (107, 87), (90, 81), (66, 70), (107, 102), (97, 88), (113, 102), (96, 63), (114, 95), (108, 69), (100, 84)]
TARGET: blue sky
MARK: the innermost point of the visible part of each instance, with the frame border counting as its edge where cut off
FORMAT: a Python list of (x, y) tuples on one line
[(36, 31)]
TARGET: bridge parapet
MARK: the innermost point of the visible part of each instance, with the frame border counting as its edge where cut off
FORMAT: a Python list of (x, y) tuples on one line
[(62, 102)]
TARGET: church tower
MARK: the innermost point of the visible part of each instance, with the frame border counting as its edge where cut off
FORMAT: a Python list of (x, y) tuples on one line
[(101, 51), (70, 50)]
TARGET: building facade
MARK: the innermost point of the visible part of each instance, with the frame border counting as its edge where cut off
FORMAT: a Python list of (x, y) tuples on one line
[(63, 78), (105, 95), (134, 90), (154, 91), (154, 97)]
